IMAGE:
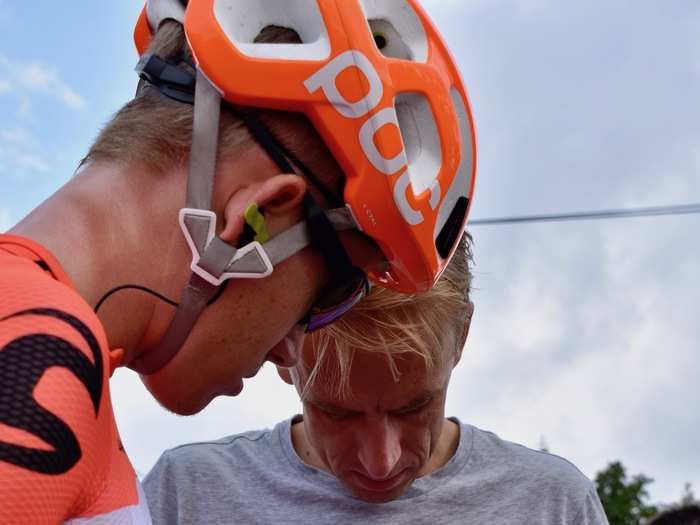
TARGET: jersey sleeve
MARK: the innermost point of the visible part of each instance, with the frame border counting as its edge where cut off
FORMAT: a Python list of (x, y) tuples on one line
[(54, 400)]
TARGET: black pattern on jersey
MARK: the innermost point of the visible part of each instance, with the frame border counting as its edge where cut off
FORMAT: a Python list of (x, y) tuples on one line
[(22, 363)]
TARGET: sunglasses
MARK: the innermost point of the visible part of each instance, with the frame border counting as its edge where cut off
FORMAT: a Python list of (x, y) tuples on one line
[(348, 284), (336, 299)]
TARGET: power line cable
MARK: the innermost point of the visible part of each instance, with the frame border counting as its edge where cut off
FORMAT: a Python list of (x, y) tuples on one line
[(653, 211)]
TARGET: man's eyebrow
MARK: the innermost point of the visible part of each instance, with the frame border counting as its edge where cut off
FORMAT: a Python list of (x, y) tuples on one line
[(330, 407), (420, 400)]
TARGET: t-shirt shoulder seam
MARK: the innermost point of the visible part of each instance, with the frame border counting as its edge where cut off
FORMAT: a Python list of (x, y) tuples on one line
[(541, 453), (592, 488), (223, 441), (555, 456)]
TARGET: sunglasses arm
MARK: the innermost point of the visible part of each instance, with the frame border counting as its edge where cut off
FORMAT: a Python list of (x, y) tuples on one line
[(286, 244)]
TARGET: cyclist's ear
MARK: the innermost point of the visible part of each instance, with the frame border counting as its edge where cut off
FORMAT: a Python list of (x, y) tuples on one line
[(277, 195), (283, 193)]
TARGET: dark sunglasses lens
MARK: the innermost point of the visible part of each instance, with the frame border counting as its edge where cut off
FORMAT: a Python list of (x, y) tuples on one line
[(336, 301)]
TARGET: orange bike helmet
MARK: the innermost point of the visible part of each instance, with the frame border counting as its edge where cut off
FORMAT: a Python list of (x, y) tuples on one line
[(379, 84)]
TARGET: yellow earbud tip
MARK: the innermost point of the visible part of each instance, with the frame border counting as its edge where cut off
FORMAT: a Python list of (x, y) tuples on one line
[(256, 220)]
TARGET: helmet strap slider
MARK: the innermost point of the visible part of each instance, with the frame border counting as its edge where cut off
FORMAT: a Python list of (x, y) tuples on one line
[(171, 80)]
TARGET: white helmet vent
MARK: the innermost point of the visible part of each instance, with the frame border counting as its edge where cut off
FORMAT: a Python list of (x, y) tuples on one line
[(397, 30), (421, 142), (388, 40), (243, 20), (459, 190)]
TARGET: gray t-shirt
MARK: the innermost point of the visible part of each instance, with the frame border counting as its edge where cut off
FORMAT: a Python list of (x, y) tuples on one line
[(257, 477)]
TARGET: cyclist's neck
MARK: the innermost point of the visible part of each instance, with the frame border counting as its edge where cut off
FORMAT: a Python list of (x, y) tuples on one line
[(105, 226)]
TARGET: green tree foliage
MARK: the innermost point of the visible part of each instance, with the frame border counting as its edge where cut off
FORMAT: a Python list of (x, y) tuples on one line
[(624, 500)]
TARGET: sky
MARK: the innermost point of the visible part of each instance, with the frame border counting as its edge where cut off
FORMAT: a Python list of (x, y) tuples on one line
[(586, 334)]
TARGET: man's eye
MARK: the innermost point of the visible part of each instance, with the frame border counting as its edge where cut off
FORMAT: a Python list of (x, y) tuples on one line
[(335, 414), (414, 410), (409, 411)]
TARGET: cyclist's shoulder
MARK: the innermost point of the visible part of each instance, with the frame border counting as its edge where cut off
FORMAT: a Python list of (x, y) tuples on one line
[(57, 427), (35, 290)]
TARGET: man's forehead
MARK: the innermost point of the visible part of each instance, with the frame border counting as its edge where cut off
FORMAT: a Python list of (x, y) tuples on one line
[(360, 401), (371, 380), (363, 364)]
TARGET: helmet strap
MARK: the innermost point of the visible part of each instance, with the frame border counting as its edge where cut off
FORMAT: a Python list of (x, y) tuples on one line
[(198, 221), (213, 260)]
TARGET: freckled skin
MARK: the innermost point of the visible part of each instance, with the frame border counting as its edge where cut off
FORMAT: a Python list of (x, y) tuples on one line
[(133, 238), (386, 434), (231, 339), (230, 342)]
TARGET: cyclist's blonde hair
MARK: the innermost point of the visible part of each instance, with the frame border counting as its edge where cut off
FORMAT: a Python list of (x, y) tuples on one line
[(155, 132)]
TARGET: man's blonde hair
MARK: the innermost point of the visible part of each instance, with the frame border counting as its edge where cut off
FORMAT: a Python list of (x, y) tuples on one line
[(429, 325)]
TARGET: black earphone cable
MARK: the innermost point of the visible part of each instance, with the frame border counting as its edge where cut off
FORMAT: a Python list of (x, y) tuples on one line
[(153, 293), (140, 288)]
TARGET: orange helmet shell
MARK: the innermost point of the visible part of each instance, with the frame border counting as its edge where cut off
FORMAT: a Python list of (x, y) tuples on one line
[(397, 119)]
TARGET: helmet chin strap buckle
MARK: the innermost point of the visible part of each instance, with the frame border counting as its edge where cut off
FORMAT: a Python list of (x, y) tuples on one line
[(212, 258)]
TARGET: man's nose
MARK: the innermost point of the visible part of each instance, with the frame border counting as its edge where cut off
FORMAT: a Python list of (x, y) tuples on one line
[(380, 449)]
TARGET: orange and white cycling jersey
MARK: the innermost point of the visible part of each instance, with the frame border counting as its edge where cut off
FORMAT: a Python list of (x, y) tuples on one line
[(61, 460)]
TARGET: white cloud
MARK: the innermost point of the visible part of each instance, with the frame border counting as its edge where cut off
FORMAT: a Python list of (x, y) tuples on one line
[(451, 4), (17, 136), (613, 375), (524, 7), (37, 77), (32, 162), (20, 151), (42, 78)]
